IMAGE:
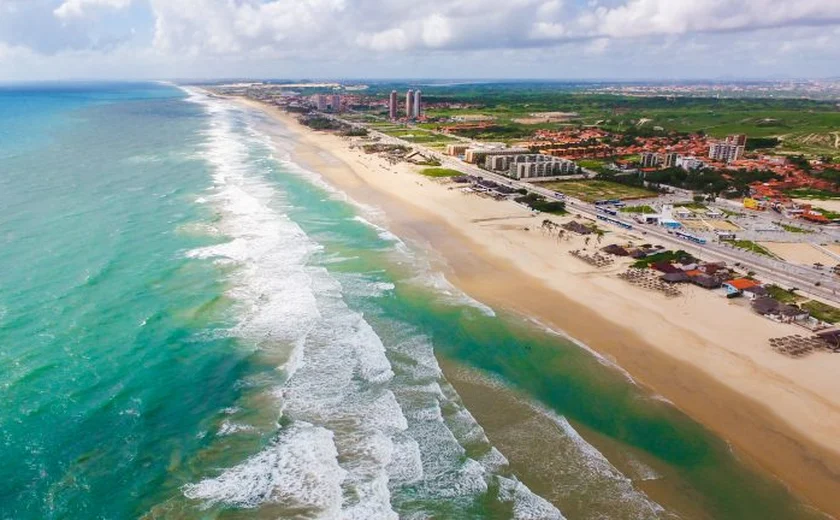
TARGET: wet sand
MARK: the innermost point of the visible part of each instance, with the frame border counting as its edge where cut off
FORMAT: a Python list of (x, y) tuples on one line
[(762, 433)]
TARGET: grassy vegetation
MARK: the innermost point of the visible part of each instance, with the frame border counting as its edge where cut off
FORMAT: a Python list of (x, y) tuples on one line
[(440, 172), (808, 193), (665, 256), (831, 215), (749, 245), (539, 203), (822, 312), (638, 209), (794, 229), (783, 295), (592, 190), (691, 205)]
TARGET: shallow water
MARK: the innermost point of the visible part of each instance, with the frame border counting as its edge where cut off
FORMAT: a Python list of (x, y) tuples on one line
[(194, 326)]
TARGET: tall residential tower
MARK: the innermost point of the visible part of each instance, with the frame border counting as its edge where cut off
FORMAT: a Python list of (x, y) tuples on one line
[(418, 104), (409, 103), (392, 105)]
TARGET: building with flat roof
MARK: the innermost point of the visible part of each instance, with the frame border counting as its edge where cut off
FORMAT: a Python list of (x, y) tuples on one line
[(689, 162), (335, 104), (478, 155), (552, 167), (726, 151), (456, 150)]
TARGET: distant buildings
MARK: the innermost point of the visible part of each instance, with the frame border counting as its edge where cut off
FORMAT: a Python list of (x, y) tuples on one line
[(478, 155), (729, 150), (418, 104), (409, 103), (648, 160), (456, 150), (654, 160), (527, 166), (392, 105), (335, 105), (689, 163), (321, 103)]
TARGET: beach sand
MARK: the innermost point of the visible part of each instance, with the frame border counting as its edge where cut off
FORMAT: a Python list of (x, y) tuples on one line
[(707, 355), (799, 253)]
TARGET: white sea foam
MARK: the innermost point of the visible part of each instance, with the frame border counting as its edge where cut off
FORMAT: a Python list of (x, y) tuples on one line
[(299, 470), (337, 372), (230, 428)]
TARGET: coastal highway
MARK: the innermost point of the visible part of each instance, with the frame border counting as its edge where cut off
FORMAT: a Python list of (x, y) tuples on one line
[(819, 283)]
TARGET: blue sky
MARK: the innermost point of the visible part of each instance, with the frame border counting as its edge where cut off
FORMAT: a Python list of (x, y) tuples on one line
[(562, 39)]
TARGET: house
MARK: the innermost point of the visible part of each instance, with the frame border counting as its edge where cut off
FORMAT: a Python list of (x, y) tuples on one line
[(755, 292), (665, 267), (777, 311), (678, 277), (616, 250), (705, 281), (736, 287)]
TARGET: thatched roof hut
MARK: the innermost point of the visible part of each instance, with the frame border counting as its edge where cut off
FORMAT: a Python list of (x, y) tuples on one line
[(705, 281), (616, 250), (678, 277)]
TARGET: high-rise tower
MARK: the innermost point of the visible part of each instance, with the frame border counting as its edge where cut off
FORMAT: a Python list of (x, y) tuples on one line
[(418, 104), (409, 104), (392, 105)]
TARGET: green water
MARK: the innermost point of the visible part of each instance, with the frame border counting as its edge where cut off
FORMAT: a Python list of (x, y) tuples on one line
[(193, 327)]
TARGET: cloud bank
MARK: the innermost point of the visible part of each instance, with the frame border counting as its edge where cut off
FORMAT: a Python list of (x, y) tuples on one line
[(294, 37)]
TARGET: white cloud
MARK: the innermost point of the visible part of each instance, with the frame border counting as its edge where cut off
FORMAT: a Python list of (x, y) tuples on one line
[(79, 8), (180, 36)]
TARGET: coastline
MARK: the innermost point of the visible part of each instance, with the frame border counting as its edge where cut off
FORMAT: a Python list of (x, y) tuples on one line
[(782, 414)]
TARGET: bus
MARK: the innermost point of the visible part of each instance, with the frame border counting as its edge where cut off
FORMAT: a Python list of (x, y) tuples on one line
[(691, 238)]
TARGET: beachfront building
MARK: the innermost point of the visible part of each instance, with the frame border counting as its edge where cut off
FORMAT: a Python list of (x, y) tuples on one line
[(552, 167), (409, 103), (456, 150), (392, 105), (418, 104), (524, 166), (478, 155)]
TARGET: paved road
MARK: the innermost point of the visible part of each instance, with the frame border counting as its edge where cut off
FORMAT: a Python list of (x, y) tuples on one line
[(785, 274)]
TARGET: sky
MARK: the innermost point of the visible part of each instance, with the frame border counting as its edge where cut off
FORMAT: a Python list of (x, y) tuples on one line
[(535, 39)]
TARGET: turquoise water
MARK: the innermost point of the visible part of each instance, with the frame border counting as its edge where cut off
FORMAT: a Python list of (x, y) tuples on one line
[(192, 326)]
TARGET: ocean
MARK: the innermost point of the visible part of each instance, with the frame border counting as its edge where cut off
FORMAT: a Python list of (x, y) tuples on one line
[(194, 326)]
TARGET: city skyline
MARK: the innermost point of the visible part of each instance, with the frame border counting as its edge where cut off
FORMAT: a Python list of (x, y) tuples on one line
[(535, 39)]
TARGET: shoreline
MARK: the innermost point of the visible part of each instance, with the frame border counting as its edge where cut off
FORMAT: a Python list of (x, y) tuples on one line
[(783, 415)]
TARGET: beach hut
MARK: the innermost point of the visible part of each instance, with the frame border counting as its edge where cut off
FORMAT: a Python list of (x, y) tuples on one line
[(665, 267), (734, 288), (614, 249), (678, 277), (705, 281), (756, 291)]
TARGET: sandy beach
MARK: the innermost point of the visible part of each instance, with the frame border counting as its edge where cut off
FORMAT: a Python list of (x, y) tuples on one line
[(707, 355)]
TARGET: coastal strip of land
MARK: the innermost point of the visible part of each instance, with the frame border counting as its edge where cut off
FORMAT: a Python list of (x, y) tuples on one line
[(707, 355)]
